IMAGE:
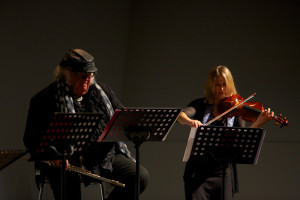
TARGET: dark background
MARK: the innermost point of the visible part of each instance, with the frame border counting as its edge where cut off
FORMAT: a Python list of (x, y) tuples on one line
[(158, 54)]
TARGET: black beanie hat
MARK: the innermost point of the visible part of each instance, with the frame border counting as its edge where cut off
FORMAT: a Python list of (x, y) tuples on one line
[(79, 60)]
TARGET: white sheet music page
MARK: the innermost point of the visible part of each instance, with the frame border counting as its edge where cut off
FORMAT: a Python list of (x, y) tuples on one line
[(189, 145)]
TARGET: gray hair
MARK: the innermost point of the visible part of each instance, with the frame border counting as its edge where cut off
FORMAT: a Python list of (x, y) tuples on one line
[(65, 74)]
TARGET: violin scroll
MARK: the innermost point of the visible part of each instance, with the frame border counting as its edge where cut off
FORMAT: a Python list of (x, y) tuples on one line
[(282, 121)]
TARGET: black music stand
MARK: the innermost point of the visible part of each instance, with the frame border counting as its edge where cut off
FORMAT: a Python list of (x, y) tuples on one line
[(139, 125), (225, 145), (7, 157), (66, 135)]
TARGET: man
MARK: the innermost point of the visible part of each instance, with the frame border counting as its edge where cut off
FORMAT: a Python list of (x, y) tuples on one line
[(75, 90)]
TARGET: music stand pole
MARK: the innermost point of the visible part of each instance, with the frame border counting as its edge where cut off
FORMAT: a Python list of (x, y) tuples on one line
[(64, 157), (223, 180), (137, 187), (63, 179), (138, 137)]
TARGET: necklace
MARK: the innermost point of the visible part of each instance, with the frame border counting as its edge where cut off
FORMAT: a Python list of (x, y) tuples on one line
[(79, 98)]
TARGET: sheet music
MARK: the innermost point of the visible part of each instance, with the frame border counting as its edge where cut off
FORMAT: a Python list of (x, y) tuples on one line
[(189, 145)]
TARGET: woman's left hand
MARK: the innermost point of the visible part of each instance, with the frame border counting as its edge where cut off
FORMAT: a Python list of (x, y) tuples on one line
[(264, 117)]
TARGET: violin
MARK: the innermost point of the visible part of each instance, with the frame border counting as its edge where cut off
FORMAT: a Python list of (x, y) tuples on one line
[(248, 111)]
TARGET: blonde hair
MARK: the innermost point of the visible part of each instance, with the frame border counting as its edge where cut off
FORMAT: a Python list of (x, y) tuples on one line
[(209, 91)]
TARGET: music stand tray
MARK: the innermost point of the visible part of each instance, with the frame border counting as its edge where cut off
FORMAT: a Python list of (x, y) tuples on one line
[(234, 144), (145, 124), (7, 157), (64, 131)]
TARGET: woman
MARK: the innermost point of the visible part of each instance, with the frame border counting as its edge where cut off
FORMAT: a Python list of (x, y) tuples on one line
[(203, 181)]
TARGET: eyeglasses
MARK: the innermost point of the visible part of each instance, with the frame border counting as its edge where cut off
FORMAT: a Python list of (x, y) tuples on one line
[(82, 75)]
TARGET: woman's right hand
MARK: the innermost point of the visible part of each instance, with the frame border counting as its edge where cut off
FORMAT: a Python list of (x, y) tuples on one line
[(184, 119), (195, 123)]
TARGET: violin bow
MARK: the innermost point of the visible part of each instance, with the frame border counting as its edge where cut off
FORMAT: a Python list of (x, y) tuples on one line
[(230, 109)]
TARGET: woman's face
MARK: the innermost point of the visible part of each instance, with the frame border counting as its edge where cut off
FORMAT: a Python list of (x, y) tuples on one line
[(220, 88), (80, 82)]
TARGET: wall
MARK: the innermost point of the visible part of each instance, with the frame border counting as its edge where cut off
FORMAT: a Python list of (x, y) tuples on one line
[(158, 54), (34, 37), (172, 47)]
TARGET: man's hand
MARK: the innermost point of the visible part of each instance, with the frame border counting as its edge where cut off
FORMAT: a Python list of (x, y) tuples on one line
[(58, 163)]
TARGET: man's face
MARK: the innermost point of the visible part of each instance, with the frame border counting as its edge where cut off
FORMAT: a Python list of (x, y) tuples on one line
[(80, 82)]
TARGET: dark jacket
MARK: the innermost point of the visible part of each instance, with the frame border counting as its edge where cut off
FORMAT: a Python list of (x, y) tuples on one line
[(43, 105), (196, 173)]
